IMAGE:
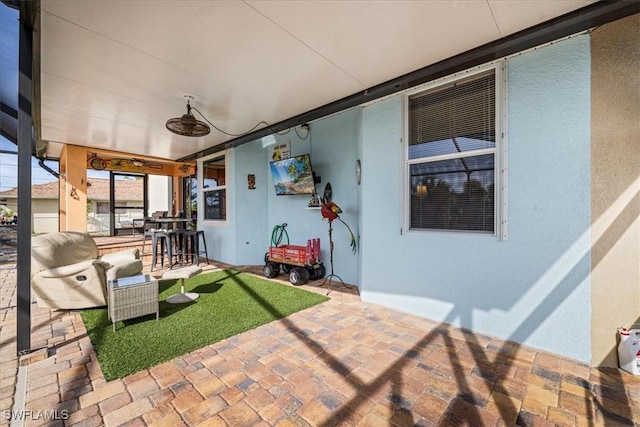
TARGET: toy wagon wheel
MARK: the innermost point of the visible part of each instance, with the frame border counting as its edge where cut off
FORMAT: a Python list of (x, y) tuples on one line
[(271, 270), (286, 268), (299, 276), (318, 272)]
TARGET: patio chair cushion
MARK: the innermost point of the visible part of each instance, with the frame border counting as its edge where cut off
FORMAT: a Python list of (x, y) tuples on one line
[(58, 249), (66, 272), (124, 263), (182, 273)]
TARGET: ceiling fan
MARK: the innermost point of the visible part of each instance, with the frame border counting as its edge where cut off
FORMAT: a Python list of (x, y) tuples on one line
[(188, 125)]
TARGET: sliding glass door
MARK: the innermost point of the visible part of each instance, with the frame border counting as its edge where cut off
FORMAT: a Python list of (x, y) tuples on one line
[(190, 197), (128, 203)]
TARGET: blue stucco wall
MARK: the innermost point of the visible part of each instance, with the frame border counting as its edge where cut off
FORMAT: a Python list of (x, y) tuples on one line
[(532, 288), (250, 218), (332, 147), (240, 240), (220, 235), (244, 238)]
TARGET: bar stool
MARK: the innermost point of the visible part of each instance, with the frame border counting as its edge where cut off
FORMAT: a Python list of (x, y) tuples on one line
[(181, 244), (168, 241), (199, 234), (188, 245), (158, 237), (147, 234), (192, 239), (149, 228)]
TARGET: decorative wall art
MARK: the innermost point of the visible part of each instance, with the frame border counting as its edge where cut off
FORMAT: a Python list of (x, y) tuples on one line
[(293, 176), (280, 151), (97, 163)]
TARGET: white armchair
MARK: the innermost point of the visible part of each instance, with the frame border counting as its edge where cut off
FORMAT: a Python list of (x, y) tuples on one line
[(67, 273)]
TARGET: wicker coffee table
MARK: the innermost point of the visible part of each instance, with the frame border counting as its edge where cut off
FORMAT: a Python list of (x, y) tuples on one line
[(131, 297)]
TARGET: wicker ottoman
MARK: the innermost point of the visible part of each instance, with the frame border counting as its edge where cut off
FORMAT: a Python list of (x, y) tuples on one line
[(182, 274), (131, 297)]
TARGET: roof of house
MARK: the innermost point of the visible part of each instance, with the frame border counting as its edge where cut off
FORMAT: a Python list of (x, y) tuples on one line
[(98, 189)]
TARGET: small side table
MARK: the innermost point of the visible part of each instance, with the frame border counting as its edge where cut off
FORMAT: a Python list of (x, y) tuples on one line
[(131, 297), (182, 274)]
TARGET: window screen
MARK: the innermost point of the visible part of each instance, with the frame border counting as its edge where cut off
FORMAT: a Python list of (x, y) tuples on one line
[(452, 156)]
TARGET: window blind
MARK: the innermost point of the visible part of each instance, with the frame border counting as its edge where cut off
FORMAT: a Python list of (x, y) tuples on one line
[(455, 118), (456, 191)]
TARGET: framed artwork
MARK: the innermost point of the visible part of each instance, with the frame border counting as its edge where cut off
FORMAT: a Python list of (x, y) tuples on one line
[(293, 176), (280, 151)]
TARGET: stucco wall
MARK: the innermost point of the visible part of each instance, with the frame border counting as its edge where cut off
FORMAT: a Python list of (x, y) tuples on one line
[(45, 217), (251, 205), (251, 214), (615, 191), (158, 193), (221, 235), (73, 189), (332, 146), (533, 288), (242, 237)]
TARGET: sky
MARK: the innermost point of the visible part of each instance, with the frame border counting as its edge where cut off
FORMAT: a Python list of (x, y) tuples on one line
[(9, 168), (9, 95)]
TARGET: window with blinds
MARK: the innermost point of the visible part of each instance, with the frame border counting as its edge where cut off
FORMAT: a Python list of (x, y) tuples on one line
[(452, 156)]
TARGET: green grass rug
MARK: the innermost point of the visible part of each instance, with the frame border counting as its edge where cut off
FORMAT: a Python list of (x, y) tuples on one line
[(230, 302)]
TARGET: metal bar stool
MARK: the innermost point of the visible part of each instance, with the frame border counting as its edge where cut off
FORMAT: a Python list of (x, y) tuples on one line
[(192, 238), (189, 253), (149, 229), (200, 234), (158, 238), (168, 241), (181, 245)]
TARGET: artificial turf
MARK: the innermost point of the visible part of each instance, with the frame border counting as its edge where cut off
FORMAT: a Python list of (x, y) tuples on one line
[(230, 302)]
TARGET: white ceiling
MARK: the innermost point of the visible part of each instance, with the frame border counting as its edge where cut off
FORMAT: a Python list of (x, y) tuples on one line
[(113, 72)]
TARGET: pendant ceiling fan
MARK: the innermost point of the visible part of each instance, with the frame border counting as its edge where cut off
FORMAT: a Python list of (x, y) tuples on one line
[(188, 125)]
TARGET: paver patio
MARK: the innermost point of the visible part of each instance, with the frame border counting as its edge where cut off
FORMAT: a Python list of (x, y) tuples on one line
[(342, 363)]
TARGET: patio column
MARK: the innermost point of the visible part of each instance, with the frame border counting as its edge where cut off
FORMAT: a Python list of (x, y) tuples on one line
[(73, 188), (25, 141), (176, 185)]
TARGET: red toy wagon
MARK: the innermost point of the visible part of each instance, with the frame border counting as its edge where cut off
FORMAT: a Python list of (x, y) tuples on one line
[(302, 263)]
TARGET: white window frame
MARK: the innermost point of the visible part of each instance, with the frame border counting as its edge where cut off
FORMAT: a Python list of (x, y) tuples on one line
[(202, 190), (499, 151)]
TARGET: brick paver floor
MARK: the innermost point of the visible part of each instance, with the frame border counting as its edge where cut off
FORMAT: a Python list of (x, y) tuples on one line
[(341, 363)]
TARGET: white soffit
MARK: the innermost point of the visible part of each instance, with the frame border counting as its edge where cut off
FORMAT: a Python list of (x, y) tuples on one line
[(378, 41), (113, 72)]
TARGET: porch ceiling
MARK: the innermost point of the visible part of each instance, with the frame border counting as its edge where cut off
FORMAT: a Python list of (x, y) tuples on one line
[(113, 72)]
